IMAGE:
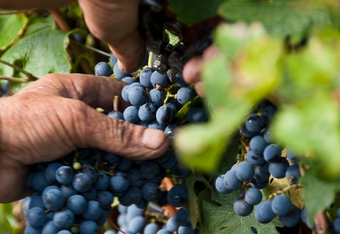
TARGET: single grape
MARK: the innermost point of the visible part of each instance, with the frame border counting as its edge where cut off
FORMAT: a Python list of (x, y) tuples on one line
[(159, 79), (102, 182), (258, 144), (81, 183), (186, 230), (254, 159), (182, 217), (266, 212), (172, 224), (164, 115), (164, 231), (134, 195), (119, 182), (242, 208), (90, 172), (259, 185), (151, 191), (278, 169), (263, 104), (170, 162), (281, 204), (247, 133), (102, 69), (88, 227), (254, 123), (136, 224), (63, 219), (39, 181), (272, 153), (128, 80), (102, 219), (185, 95), (268, 114), (293, 174), (53, 199), (231, 181), (264, 167), (50, 172), (36, 217), (131, 114), (50, 228), (90, 195), (113, 59), (336, 226), (292, 218), (147, 112), (49, 188), (36, 201), (116, 115), (32, 230), (149, 170), (180, 171), (292, 157), (145, 76), (164, 157), (253, 196), (156, 97), (245, 171), (68, 191), (134, 211), (177, 196), (119, 73), (125, 93), (64, 175), (179, 80), (137, 96), (150, 228), (77, 204), (268, 135), (125, 164), (220, 187), (156, 125), (93, 211), (197, 114), (261, 176)]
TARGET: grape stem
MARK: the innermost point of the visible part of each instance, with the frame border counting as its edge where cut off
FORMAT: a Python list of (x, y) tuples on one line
[(293, 186), (115, 103), (150, 59), (29, 75), (107, 172)]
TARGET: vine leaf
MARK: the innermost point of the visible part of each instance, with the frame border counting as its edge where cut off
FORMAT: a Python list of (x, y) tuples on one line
[(318, 194), (281, 18), (40, 51), (191, 11), (11, 27)]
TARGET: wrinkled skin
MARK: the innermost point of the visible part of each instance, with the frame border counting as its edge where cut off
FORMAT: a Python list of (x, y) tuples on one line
[(55, 115)]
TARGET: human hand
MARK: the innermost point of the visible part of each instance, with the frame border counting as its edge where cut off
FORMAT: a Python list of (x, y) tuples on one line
[(192, 69), (116, 22), (53, 116)]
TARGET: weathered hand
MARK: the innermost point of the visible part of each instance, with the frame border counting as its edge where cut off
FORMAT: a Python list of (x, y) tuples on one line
[(55, 115)]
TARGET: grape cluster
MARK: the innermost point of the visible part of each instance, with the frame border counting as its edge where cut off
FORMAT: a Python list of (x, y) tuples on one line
[(135, 220), (74, 194), (262, 160)]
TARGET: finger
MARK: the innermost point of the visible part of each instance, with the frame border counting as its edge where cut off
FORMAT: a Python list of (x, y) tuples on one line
[(116, 22), (192, 70), (199, 89), (93, 129), (95, 91)]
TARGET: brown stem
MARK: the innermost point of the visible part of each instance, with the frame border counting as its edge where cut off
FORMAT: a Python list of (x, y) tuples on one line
[(62, 24), (12, 79), (115, 103), (18, 12)]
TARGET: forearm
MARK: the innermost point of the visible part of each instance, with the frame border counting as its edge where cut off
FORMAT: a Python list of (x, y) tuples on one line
[(46, 4)]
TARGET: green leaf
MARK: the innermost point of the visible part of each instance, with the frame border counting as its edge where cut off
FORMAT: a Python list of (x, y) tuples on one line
[(218, 217), (282, 17), (5, 213), (181, 115), (318, 194), (11, 27), (40, 51), (191, 11)]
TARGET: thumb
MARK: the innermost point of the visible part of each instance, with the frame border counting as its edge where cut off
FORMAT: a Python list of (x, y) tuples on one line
[(121, 137)]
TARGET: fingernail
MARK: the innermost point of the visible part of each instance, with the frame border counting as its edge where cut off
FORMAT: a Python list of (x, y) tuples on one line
[(153, 139)]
